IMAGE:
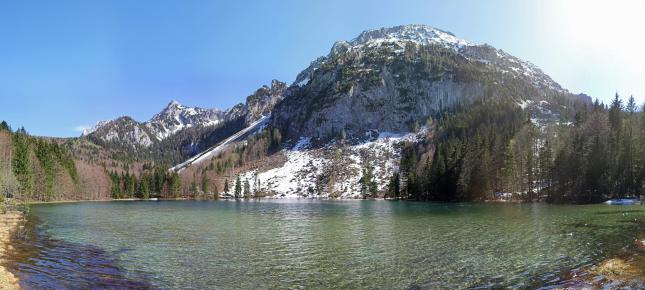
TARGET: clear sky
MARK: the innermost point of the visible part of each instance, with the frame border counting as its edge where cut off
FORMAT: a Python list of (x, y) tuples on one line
[(68, 64)]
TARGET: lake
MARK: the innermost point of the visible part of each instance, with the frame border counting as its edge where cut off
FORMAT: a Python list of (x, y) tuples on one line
[(317, 244)]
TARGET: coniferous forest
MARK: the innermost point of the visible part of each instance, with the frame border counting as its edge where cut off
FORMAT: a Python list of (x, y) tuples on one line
[(491, 150)]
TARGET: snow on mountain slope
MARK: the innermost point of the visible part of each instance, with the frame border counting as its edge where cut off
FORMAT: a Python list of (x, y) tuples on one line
[(213, 151), (175, 117), (420, 34), (333, 170), (398, 37), (389, 78)]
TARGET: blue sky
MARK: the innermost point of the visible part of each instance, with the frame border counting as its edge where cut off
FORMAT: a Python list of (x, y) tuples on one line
[(69, 64)]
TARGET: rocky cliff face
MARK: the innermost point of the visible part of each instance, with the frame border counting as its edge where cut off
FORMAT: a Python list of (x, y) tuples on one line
[(123, 130), (262, 102), (392, 79)]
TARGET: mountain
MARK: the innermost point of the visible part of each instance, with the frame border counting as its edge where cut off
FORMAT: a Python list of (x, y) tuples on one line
[(388, 78), (382, 103), (125, 132), (175, 117), (390, 102)]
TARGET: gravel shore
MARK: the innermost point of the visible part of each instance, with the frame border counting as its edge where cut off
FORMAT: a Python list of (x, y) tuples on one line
[(9, 223)]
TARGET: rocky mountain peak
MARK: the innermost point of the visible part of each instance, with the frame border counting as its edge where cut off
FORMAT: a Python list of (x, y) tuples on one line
[(174, 103), (175, 117), (277, 85), (420, 34), (387, 78)]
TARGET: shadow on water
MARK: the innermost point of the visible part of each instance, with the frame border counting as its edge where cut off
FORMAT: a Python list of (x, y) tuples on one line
[(44, 263)]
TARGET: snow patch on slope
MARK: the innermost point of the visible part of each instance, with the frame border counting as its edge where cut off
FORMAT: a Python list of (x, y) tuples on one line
[(420, 34), (299, 176)]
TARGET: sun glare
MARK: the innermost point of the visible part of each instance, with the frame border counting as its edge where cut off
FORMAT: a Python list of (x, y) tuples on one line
[(608, 33)]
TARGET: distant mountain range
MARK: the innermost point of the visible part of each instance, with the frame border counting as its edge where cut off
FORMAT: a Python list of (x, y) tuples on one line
[(175, 117)]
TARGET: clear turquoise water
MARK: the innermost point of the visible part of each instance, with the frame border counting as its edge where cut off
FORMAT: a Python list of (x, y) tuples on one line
[(318, 244)]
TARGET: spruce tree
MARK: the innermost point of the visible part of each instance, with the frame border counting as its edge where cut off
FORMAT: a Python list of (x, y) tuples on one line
[(175, 184), (4, 126), (247, 189), (238, 187)]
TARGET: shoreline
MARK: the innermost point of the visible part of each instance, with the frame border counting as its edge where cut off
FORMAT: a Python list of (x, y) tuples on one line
[(10, 222), (622, 270)]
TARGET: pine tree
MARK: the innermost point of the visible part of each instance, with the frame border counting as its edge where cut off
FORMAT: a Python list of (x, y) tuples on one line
[(393, 189), (4, 126), (631, 106), (367, 183), (175, 184), (247, 189), (238, 187), (545, 163), (144, 187)]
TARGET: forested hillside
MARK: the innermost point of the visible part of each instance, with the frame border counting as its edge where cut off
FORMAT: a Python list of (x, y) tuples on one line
[(492, 150), (43, 169)]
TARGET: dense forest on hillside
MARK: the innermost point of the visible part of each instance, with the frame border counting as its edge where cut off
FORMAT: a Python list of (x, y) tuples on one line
[(489, 149), (493, 150), (36, 168)]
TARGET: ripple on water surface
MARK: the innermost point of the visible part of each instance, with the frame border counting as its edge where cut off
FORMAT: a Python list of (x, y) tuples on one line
[(318, 244)]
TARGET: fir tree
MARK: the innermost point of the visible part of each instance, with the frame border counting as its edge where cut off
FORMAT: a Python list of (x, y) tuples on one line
[(238, 187), (247, 189)]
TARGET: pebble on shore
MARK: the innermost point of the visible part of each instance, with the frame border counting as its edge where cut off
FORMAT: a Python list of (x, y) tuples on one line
[(9, 222)]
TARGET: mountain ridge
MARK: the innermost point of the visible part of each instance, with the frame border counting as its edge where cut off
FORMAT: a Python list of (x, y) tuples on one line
[(176, 117)]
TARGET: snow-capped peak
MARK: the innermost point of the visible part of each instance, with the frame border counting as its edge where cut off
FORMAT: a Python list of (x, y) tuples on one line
[(420, 34), (398, 37), (175, 117), (174, 103)]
